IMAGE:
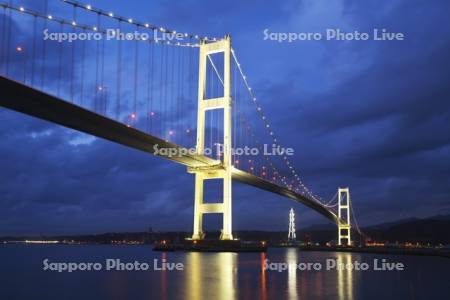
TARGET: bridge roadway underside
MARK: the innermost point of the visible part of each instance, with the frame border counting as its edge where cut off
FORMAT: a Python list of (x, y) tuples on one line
[(21, 98)]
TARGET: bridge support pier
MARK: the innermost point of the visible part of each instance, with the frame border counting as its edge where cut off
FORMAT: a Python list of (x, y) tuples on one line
[(344, 227), (223, 171), (201, 208)]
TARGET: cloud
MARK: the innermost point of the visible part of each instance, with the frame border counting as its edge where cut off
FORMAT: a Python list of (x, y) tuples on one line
[(374, 116)]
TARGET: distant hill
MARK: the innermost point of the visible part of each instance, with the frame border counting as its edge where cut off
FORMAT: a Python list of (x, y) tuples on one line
[(441, 217), (390, 224), (434, 230)]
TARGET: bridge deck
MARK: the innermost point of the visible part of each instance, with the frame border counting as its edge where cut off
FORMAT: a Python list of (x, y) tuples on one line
[(21, 98)]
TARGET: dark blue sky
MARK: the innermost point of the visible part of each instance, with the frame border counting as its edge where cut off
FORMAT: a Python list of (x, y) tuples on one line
[(371, 115)]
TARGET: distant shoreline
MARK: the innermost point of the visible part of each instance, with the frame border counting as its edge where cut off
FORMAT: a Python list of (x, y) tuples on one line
[(369, 250), (381, 250)]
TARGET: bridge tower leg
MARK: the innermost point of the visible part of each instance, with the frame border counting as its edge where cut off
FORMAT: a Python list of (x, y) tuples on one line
[(344, 215), (224, 172)]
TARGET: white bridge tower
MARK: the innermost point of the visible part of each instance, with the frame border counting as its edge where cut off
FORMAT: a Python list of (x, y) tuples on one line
[(222, 172), (344, 226)]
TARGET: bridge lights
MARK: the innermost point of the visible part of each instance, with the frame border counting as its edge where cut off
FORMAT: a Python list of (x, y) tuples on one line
[(49, 17), (19, 49), (88, 7), (188, 130), (21, 8), (133, 115), (152, 114), (171, 132), (111, 14), (130, 21)]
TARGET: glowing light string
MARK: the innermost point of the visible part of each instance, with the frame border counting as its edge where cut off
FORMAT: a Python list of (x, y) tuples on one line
[(145, 25), (270, 131)]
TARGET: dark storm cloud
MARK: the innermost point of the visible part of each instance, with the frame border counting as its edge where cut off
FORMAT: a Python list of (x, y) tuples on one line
[(374, 116), (60, 177), (385, 130)]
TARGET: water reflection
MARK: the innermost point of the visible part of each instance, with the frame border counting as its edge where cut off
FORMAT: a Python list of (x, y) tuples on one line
[(215, 276), (227, 264), (310, 283), (345, 277), (292, 259), (193, 261), (211, 275), (163, 278), (263, 276)]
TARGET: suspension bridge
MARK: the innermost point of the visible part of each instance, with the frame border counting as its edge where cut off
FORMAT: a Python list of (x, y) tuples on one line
[(151, 88)]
